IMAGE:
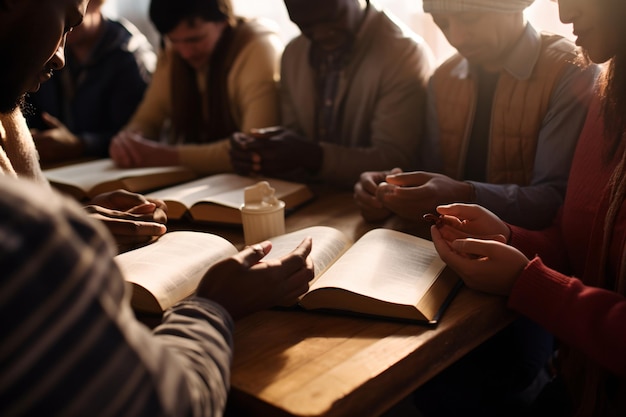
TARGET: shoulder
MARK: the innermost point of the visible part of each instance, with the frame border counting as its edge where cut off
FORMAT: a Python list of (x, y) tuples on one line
[(556, 49), (129, 35), (128, 44), (263, 39), (386, 38), (383, 27), (456, 61)]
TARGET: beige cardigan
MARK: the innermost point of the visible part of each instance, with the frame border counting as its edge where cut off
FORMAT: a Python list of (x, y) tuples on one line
[(252, 85)]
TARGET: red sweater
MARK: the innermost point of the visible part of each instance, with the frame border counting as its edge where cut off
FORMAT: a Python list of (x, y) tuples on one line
[(585, 318)]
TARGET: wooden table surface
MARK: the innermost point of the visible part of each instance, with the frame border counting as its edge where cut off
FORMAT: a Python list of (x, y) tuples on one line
[(296, 363)]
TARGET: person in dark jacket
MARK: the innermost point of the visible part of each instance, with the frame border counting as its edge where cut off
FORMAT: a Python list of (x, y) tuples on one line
[(109, 65)]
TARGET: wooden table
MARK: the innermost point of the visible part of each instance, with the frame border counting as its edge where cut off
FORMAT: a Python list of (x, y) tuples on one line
[(295, 363)]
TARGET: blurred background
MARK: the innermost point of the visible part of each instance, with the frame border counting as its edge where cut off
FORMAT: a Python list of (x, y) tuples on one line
[(543, 14)]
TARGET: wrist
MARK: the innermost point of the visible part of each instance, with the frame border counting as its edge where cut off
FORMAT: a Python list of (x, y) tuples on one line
[(470, 193)]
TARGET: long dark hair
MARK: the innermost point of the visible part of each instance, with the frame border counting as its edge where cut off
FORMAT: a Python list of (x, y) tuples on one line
[(167, 14), (613, 81)]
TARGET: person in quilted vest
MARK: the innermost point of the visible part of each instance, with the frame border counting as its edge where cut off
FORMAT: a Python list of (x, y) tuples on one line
[(503, 117)]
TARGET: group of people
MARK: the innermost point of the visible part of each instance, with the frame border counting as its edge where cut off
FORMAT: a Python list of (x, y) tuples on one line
[(516, 141)]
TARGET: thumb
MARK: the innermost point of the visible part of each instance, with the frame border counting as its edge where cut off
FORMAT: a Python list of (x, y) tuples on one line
[(251, 255), (476, 247), (409, 179), (143, 208)]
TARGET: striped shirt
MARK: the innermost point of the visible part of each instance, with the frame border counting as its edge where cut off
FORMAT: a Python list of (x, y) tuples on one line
[(71, 345)]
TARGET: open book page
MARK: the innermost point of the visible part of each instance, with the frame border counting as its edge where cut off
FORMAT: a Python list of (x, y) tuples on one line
[(92, 177), (385, 265), (171, 268), (226, 190), (328, 244), (87, 175)]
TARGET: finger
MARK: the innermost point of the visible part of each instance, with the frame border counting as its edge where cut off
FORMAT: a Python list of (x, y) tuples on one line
[(365, 199), (452, 221), (385, 189), (476, 247), (144, 208), (442, 245), (107, 213), (118, 153), (127, 153), (497, 237), (409, 179), (120, 227), (119, 199), (158, 202), (251, 255), (296, 286), (369, 181), (134, 149), (299, 257), (459, 210)]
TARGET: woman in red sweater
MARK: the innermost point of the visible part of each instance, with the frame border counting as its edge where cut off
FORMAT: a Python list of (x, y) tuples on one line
[(571, 277)]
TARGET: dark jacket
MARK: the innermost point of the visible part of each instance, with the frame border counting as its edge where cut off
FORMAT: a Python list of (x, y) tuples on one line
[(96, 99)]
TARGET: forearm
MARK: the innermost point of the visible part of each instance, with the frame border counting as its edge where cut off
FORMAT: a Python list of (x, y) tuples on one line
[(155, 107), (197, 335), (206, 159), (532, 207), (587, 318)]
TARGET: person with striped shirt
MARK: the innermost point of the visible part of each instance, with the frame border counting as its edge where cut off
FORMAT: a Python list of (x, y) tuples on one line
[(71, 345)]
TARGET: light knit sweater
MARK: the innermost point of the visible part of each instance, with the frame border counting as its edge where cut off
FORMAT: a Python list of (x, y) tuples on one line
[(18, 155)]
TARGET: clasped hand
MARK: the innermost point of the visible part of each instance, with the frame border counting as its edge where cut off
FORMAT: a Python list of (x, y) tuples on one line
[(472, 241), (276, 156), (131, 218), (407, 194), (130, 149)]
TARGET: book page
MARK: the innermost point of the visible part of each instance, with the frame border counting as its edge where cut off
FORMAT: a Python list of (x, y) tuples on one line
[(87, 175), (172, 267), (222, 189), (328, 244), (385, 265)]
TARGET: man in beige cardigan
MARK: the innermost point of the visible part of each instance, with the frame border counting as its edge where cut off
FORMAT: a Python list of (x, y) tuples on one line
[(217, 74)]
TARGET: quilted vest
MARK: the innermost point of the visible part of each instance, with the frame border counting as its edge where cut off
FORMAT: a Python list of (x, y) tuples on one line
[(519, 107)]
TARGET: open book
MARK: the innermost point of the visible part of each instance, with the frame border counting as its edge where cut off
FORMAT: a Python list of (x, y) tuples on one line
[(87, 179), (217, 198), (385, 273)]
